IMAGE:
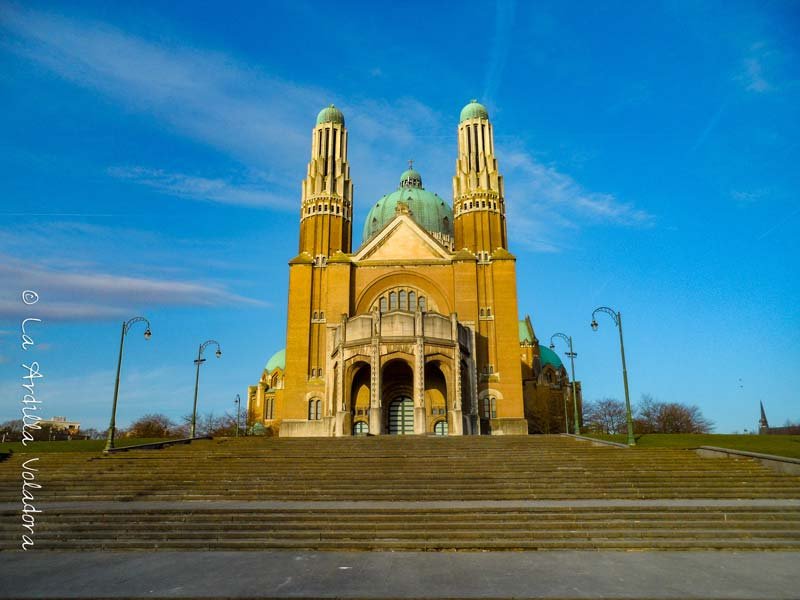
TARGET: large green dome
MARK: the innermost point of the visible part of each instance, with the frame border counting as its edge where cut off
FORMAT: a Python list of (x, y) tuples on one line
[(330, 114), (427, 209), (276, 361), (474, 110), (548, 357)]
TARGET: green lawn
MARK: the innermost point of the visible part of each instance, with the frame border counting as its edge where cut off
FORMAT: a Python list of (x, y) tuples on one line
[(780, 445), (72, 445)]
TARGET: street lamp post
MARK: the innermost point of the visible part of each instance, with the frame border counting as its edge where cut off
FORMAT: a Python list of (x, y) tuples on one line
[(238, 402), (617, 316), (572, 355), (125, 328), (200, 360)]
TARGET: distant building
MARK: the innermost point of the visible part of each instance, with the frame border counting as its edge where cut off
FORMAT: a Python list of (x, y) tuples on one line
[(61, 425), (765, 429)]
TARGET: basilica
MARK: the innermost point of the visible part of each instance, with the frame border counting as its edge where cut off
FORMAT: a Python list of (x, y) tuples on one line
[(415, 328)]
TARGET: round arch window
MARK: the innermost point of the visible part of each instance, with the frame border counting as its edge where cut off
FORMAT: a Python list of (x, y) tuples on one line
[(440, 428)]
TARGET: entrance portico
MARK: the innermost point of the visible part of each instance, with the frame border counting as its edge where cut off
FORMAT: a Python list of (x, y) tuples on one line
[(400, 373)]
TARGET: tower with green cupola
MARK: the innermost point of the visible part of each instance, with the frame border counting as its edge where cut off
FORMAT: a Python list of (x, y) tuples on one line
[(326, 229), (326, 206)]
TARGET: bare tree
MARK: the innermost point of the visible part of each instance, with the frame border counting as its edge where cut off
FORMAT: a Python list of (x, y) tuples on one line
[(151, 426), (210, 424), (604, 416), (653, 416)]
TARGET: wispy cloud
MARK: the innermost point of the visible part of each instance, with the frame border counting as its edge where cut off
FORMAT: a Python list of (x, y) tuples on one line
[(78, 296), (748, 197), (503, 28), (710, 126), (203, 188), (754, 66), (541, 187), (265, 123), (201, 94)]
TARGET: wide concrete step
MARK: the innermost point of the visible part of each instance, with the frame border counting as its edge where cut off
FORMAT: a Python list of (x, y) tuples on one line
[(411, 528), (396, 468)]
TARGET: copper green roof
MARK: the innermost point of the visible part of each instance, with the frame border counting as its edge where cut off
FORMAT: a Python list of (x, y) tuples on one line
[(525, 334), (427, 209), (474, 110), (330, 114), (548, 357), (276, 361)]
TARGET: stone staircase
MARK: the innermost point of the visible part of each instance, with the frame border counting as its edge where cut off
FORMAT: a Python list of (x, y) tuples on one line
[(403, 493)]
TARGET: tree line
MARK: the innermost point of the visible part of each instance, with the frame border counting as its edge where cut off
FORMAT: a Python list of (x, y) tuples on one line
[(153, 425), (649, 416)]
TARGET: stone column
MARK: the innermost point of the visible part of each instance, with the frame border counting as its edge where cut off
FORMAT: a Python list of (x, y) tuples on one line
[(420, 417), (341, 400), (375, 402), (454, 413)]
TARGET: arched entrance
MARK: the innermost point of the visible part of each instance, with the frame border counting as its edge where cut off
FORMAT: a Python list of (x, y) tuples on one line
[(360, 393), (397, 389), (401, 416)]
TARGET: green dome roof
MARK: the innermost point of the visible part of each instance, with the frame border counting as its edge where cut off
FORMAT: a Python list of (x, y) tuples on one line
[(427, 209), (548, 357), (330, 114), (276, 361), (474, 110), (411, 178)]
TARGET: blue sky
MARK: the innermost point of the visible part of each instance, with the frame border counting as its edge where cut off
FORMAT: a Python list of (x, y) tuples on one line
[(151, 157)]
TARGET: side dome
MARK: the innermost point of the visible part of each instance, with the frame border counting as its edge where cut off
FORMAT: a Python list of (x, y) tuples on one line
[(548, 357), (427, 209), (276, 361), (474, 110), (330, 114)]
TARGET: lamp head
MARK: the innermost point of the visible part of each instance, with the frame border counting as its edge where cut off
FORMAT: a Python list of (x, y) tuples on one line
[(594, 325), (218, 353), (147, 334), (552, 346)]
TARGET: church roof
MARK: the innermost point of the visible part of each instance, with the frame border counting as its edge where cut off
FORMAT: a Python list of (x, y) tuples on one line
[(427, 209), (548, 357), (474, 110), (330, 114), (525, 333), (276, 361)]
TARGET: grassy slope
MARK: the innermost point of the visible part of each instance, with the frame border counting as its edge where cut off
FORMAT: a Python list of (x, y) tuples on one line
[(780, 445), (72, 445)]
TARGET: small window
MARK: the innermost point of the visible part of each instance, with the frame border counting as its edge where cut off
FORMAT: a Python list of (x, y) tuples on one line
[(412, 301), (446, 225), (392, 300), (403, 300), (314, 409), (489, 407), (383, 304), (422, 303)]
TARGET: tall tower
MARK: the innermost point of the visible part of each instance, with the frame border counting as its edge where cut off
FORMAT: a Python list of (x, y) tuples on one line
[(326, 230), (481, 242), (478, 203), (326, 209)]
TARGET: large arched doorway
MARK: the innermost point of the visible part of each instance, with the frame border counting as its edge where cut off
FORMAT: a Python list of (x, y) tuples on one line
[(397, 392), (358, 407), (401, 416)]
